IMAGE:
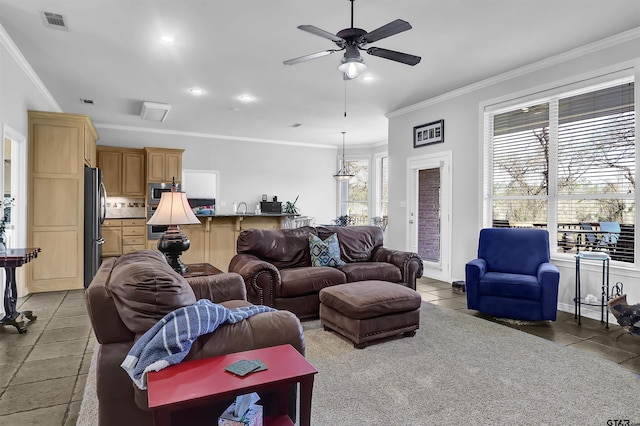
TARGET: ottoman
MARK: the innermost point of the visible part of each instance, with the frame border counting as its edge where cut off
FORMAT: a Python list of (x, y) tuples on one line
[(369, 310)]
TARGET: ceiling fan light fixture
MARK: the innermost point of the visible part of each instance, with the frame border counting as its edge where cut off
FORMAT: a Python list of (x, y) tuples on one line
[(352, 66)]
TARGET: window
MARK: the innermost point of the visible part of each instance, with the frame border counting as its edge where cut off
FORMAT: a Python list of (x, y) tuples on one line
[(567, 164), (383, 187), (354, 193)]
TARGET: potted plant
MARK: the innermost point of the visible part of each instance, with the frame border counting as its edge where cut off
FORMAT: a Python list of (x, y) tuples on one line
[(290, 208)]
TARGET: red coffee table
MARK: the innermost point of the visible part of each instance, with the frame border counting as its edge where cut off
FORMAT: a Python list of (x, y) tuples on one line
[(197, 383)]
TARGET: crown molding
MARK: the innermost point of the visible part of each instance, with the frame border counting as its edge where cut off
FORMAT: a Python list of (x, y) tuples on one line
[(208, 136), (605, 43), (22, 62)]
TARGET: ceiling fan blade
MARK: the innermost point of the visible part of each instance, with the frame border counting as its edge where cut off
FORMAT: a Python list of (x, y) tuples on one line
[(322, 33), (309, 57), (388, 30), (404, 58)]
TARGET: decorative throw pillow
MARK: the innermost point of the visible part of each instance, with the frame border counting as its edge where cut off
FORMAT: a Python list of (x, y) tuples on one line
[(325, 253)]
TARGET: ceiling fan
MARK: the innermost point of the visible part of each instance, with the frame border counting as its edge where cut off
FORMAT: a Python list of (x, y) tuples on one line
[(352, 40)]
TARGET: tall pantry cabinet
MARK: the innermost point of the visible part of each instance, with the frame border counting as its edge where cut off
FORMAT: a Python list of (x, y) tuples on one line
[(59, 147)]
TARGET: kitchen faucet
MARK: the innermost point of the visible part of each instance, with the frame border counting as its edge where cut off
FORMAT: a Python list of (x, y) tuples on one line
[(238, 208)]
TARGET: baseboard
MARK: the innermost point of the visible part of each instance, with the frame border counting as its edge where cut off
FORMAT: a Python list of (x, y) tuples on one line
[(587, 311)]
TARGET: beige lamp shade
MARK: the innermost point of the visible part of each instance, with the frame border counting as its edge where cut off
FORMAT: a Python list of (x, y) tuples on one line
[(173, 209)]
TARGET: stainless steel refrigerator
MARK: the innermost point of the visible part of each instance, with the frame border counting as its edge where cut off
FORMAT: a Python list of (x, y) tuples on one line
[(95, 209)]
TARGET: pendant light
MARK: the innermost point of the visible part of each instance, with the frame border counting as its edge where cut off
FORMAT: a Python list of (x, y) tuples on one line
[(343, 173)]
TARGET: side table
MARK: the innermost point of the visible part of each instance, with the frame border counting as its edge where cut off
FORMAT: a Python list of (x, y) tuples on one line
[(200, 382), (10, 260), (604, 296), (201, 270)]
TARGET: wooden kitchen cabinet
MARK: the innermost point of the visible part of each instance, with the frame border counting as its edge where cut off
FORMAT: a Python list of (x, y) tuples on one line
[(197, 249), (90, 138), (59, 148), (123, 171), (112, 235), (164, 164), (134, 235), (122, 236)]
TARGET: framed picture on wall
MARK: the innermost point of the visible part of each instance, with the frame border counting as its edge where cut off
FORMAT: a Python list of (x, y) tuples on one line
[(427, 134)]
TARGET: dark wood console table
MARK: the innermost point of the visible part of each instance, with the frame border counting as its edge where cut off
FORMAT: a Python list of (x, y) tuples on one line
[(10, 260)]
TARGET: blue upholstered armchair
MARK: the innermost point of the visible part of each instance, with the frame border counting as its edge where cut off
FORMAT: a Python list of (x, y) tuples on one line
[(512, 277)]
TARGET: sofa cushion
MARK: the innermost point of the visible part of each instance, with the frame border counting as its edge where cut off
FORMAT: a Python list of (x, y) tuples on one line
[(362, 271), (145, 288), (357, 243), (325, 252), (301, 281), (510, 285), (284, 248)]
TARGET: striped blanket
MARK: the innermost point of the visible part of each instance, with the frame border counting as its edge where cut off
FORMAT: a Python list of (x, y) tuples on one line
[(168, 342)]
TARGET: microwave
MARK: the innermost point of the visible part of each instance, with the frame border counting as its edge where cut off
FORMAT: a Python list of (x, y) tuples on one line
[(155, 190)]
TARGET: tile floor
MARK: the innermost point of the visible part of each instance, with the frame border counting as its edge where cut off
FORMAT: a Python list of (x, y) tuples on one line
[(43, 372)]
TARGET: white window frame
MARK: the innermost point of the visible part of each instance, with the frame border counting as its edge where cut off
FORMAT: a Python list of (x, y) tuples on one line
[(376, 188), (350, 158), (551, 96)]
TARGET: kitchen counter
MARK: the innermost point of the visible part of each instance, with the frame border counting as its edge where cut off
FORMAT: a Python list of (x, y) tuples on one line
[(127, 217), (214, 239), (247, 215)]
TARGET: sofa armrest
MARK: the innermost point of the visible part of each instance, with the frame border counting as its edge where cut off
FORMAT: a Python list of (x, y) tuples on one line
[(549, 279), (474, 270), (410, 263), (218, 288), (261, 278)]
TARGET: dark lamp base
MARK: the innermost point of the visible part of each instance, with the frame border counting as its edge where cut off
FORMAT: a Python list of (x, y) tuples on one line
[(173, 243)]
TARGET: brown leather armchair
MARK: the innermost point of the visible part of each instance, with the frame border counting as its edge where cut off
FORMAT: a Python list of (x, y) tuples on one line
[(131, 293)]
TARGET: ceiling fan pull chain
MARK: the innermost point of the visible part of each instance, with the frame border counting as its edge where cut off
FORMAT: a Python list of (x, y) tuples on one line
[(345, 97)]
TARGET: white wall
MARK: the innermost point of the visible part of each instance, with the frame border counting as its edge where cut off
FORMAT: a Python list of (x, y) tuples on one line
[(20, 91), (461, 111), (250, 169)]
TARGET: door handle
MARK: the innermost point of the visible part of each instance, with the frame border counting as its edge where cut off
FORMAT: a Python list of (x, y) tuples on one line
[(100, 241)]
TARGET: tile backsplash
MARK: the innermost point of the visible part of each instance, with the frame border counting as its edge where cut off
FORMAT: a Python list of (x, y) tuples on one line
[(118, 207)]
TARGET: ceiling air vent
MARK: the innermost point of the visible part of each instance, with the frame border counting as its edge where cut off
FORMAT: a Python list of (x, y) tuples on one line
[(86, 101), (154, 111), (295, 125), (55, 20)]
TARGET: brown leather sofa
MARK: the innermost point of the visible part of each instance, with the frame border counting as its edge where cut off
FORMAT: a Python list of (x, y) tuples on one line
[(277, 269), (131, 293)]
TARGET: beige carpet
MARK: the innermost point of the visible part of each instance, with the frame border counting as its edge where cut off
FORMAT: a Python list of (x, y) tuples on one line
[(458, 369)]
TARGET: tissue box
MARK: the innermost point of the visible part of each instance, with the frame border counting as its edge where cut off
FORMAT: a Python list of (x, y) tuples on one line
[(253, 417)]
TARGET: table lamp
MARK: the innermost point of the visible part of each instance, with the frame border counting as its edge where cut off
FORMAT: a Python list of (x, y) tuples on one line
[(174, 210)]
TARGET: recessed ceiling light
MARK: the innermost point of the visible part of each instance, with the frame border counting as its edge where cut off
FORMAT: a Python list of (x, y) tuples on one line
[(246, 98), (167, 39), (196, 91)]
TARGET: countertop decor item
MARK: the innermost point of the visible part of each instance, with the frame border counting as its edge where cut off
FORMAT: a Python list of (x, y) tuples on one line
[(174, 210), (290, 208)]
